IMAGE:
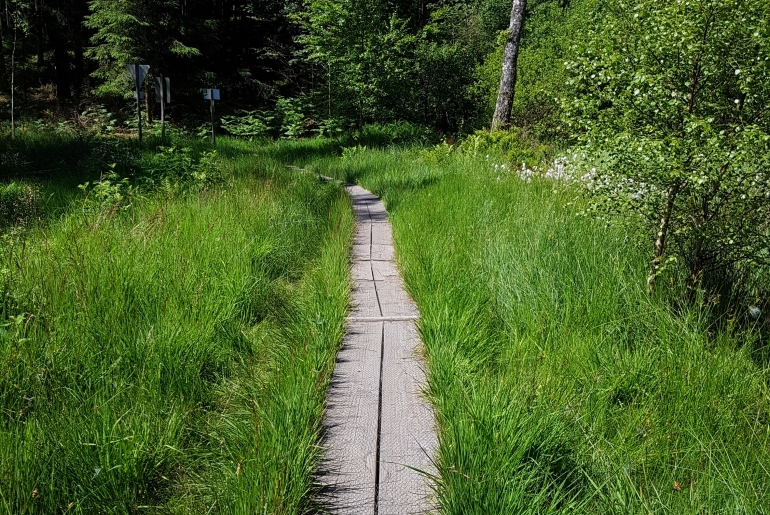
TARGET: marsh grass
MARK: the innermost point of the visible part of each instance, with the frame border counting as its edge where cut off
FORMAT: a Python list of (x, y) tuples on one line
[(168, 351), (560, 385)]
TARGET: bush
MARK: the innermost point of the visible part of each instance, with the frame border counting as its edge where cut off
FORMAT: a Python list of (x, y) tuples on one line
[(671, 104), (396, 133), (256, 123), (514, 146)]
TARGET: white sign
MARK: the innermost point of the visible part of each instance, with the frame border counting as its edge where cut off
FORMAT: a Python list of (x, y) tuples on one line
[(165, 88), (210, 94)]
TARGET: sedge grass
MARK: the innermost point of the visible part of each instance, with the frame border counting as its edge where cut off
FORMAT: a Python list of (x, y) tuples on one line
[(169, 353), (560, 385)]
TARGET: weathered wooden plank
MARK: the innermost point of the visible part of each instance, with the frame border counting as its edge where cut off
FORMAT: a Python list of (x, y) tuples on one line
[(394, 300), (408, 433), (382, 252), (361, 271), (382, 234), (374, 406), (364, 299), (385, 271), (362, 252), (377, 211), (363, 234), (347, 474)]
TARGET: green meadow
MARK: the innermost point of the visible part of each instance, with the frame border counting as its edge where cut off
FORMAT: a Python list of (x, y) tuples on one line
[(560, 385), (166, 347), (167, 339)]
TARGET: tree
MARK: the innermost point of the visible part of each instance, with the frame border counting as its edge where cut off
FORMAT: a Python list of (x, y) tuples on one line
[(671, 100), (130, 31), (502, 117)]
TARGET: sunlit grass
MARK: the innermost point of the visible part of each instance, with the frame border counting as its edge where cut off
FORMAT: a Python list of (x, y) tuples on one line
[(560, 386), (170, 353)]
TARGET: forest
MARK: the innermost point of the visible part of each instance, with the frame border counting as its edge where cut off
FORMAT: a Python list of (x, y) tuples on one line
[(580, 199)]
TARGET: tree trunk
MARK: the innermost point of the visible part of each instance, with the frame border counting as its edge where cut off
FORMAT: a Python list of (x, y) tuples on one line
[(502, 117), (660, 242), (61, 60), (79, 66), (2, 57)]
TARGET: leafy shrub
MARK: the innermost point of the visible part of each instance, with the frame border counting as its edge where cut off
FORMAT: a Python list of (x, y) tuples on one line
[(108, 195), (249, 124), (513, 146), (97, 120), (291, 113), (683, 115), (18, 204), (396, 133), (175, 167)]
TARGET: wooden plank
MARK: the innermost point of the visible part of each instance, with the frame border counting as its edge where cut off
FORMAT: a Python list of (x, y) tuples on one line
[(394, 300), (377, 211), (364, 299), (408, 434), (363, 234), (361, 271), (350, 421), (382, 252), (362, 252), (385, 271), (382, 234), (374, 407)]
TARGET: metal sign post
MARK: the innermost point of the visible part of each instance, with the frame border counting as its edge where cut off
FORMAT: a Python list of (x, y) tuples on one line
[(163, 96), (212, 95), (138, 72)]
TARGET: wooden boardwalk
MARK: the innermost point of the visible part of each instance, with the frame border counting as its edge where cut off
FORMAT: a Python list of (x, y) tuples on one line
[(380, 434)]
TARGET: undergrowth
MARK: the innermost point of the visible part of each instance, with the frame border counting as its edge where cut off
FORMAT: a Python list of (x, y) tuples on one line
[(166, 339), (560, 385)]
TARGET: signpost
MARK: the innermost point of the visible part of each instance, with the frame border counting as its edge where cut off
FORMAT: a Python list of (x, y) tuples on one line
[(212, 95), (163, 96), (138, 72)]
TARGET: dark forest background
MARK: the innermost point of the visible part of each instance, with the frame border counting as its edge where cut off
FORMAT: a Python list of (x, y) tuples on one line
[(301, 67)]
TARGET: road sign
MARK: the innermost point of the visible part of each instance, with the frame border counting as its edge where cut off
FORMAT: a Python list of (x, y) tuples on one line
[(163, 87), (137, 72), (163, 97), (210, 94)]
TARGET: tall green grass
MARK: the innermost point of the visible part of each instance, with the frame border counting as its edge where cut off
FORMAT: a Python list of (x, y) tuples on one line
[(560, 385), (168, 352)]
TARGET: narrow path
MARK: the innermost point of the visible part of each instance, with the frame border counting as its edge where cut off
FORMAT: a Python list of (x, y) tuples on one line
[(380, 431)]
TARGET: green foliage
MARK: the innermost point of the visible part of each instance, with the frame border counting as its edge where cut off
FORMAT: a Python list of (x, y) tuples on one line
[(378, 65), (133, 32), (19, 204), (559, 385), (151, 342), (291, 113), (396, 133), (106, 196), (514, 147), (552, 31), (671, 108), (255, 123)]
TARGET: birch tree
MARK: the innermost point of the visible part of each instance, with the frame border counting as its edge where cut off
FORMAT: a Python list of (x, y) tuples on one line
[(672, 101), (502, 116)]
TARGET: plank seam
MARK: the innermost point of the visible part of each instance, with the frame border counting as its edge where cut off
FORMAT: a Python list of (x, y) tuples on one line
[(404, 318), (379, 427)]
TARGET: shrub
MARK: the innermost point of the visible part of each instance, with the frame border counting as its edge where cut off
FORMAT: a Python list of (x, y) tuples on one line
[(396, 133), (672, 96), (249, 124), (514, 146)]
